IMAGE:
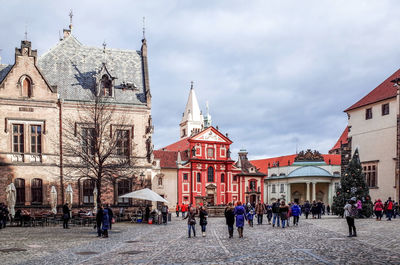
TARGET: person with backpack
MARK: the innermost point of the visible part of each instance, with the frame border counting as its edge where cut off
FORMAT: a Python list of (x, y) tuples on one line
[(296, 212), (389, 209), (283, 211), (350, 212), (191, 216), (378, 208), (275, 212)]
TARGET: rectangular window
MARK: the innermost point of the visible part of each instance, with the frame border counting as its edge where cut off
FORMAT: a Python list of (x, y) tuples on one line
[(210, 152), (371, 174), (88, 141), (223, 152), (368, 114), (18, 138), (198, 177), (37, 191), (385, 109), (235, 178), (185, 176), (123, 188), (282, 188), (122, 142), (252, 185), (88, 187), (36, 139), (20, 188), (273, 188)]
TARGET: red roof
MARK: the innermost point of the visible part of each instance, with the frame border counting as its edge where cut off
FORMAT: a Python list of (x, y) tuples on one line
[(262, 164), (167, 158), (342, 140), (384, 91), (178, 146)]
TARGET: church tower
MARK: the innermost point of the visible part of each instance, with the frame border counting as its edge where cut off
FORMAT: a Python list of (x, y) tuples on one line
[(192, 119)]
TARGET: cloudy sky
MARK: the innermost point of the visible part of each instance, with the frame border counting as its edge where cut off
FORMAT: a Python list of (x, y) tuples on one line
[(276, 75)]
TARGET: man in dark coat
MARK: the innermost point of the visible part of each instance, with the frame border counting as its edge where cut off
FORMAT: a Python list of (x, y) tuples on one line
[(110, 215), (230, 218), (66, 216), (99, 220)]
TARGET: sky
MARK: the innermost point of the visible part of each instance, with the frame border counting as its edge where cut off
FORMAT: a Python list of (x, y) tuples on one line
[(277, 74)]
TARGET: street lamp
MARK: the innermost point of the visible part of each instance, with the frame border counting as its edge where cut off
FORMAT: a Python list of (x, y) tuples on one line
[(141, 179), (396, 83)]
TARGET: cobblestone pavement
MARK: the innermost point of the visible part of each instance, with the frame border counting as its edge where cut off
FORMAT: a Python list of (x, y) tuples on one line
[(321, 241)]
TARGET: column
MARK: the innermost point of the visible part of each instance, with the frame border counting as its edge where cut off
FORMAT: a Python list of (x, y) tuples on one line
[(288, 193), (314, 191), (330, 197), (308, 191)]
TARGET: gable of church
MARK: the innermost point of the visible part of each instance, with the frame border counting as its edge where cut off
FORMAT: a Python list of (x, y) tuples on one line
[(211, 135)]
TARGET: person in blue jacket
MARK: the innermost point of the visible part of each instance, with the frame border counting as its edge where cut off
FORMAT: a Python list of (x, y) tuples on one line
[(296, 212), (106, 223), (240, 214), (250, 215)]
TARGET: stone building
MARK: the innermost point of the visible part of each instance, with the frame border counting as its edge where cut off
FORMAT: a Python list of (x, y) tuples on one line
[(373, 128), (40, 97), (304, 176)]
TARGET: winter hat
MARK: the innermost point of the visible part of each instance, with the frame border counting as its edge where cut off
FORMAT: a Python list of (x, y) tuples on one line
[(354, 199)]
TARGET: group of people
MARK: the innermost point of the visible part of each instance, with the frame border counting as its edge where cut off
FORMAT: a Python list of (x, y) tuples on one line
[(104, 220), (3, 215), (389, 208), (191, 216)]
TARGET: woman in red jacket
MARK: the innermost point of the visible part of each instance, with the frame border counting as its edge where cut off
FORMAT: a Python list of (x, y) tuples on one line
[(378, 208)]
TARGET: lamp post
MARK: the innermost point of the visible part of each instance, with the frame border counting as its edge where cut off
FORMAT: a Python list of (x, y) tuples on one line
[(396, 83), (141, 179)]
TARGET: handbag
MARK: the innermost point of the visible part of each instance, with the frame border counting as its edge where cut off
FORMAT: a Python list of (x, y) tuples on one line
[(113, 220)]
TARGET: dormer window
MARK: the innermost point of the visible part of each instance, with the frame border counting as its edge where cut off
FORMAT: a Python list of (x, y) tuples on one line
[(26, 85), (106, 86)]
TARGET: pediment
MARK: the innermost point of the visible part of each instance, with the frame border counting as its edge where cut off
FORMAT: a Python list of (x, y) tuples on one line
[(210, 136)]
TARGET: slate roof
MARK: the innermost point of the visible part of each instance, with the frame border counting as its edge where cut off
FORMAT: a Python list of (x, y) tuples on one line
[(4, 69), (73, 68), (384, 91), (262, 164), (342, 140), (167, 158)]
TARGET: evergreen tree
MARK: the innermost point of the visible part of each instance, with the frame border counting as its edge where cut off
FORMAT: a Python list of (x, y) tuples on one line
[(353, 184)]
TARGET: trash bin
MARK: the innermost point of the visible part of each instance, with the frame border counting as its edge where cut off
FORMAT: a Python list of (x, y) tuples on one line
[(169, 217), (150, 221)]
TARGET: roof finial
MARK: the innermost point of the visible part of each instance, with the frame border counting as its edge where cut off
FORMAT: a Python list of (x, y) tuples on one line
[(144, 29), (70, 19), (26, 32), (104, 46), (191, 85)]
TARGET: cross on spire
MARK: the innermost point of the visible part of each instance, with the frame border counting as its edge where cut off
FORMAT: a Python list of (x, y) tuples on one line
[(70, 19), (104, 46), (144, 29), (26, 32), (191, 84)]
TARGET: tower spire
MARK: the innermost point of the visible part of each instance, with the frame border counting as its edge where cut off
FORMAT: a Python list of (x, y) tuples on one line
[(144, 29), (192, 120), (70, 19)]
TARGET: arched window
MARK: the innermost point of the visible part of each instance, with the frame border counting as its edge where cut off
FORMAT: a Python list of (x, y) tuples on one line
[(26, 87), (20, 187), (123, 188), (210, 174), (222, 178), (87, 191), (106, 86), (160, 181), (198, 177), (37, 191)]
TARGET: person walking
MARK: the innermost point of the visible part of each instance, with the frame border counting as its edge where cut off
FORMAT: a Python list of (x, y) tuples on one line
[(191, 216), (314, 209), (230, 218), (164, 212), (177, 210), (106, 223), (350, 212), (328, 209), (289, 214), (307, 209), (389, 209), (203, 220), (110, 215), (296, 212), (319, 209), (240, 214), (66, 216), (283, 211), (275, 211), (378, 208), (269, 213), (99, 220), (260, 209), (250, 215), (183, 209)]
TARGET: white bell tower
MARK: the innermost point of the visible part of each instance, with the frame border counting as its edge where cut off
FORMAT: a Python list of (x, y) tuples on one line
[(192, 120)]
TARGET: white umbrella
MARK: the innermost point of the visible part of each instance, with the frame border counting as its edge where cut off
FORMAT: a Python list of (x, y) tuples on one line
[(95, 199), (144, 194), (53, 199), (69, 197), (11, 198)]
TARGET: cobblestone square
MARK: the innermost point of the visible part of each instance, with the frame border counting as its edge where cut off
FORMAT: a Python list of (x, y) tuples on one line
[(321, 241)]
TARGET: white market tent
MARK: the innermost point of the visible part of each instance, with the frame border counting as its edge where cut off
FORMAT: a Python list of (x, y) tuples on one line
[(144, 194)]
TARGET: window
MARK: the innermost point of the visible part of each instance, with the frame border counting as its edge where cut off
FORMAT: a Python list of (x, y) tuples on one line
[(106, 86), (36, 139), (210, 174), (185, 176), (160, 181), (123, 188), (199, 177), (222, 178), (282, 174), (186, 198), (26, 87), (223, 152), (123, 142), (88, 141), (210, 152), (20, 188), (37, 191), (337, 186), (273, 188), (88, 187), (282, 188), (252, 185), (368, 114), (18, 138), (385, 109), (183, 133), (371, 176), (235, 178)]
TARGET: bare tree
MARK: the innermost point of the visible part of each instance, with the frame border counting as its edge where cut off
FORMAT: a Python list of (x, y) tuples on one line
[(98, 144)]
